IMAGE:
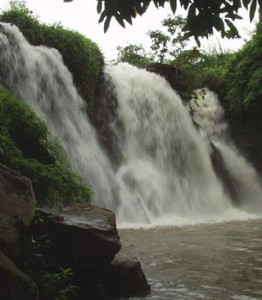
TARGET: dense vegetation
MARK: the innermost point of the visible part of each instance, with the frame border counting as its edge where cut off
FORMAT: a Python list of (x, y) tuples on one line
[(82, 56), (27, 147), (242, 94), (244, 75)]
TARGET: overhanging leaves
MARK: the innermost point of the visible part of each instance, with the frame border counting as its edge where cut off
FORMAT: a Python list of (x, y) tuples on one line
[(253, 9), (203, 16)]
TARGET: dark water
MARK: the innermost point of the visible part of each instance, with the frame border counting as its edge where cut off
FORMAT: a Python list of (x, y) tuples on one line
[(211, 261)]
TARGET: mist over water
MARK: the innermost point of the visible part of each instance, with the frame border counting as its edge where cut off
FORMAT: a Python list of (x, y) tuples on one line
[(166, 176)]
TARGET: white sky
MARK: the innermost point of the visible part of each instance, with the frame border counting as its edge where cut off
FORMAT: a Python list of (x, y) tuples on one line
[(81, 15)]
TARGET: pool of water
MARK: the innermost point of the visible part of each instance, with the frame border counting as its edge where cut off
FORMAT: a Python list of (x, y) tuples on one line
[(207, 261)]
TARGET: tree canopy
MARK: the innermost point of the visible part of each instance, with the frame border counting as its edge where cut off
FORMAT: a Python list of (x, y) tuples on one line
[(202, 16)]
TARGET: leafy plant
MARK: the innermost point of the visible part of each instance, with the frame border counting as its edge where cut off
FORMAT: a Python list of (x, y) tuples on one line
[(56, 285)]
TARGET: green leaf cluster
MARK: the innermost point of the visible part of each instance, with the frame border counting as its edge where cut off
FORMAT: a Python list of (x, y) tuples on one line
[(27, 146), (82, 56), (203, 17)]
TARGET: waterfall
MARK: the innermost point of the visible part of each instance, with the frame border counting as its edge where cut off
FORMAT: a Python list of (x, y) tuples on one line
[(38, 76), (209, 114), (166, 172)]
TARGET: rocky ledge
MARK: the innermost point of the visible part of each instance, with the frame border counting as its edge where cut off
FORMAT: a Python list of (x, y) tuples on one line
[(82, 239)]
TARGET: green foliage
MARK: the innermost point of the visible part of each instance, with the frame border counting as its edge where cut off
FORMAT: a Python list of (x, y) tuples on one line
[(82, 56), (134, 55), (27, 147), (243, 89), (211, 68), (56, 285), (203, 17)]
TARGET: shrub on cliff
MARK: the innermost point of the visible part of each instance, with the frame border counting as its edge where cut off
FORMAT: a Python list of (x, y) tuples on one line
[(82, 56), (27, 146)]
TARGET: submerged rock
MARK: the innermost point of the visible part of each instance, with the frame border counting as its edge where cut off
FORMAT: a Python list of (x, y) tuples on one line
[(17, 207)]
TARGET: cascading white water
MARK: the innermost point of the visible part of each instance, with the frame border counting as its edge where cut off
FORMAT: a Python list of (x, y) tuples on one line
[(38, 76), (166, 169), (209, 114), (167, 165)]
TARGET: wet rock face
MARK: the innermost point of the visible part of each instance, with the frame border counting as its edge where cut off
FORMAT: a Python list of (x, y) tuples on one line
[(106, 122), (223, 174), (17, 206)]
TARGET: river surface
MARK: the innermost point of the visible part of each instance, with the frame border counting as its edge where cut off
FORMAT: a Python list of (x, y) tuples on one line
[(208, 261)]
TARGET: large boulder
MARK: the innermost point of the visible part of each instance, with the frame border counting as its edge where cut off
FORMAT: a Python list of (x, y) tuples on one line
[(17, 206), (14, 284), (83, 237)]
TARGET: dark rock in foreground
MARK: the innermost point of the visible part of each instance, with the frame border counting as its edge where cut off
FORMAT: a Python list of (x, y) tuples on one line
[(17, 207), (14, 284), (85, 238), (124, 279)]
